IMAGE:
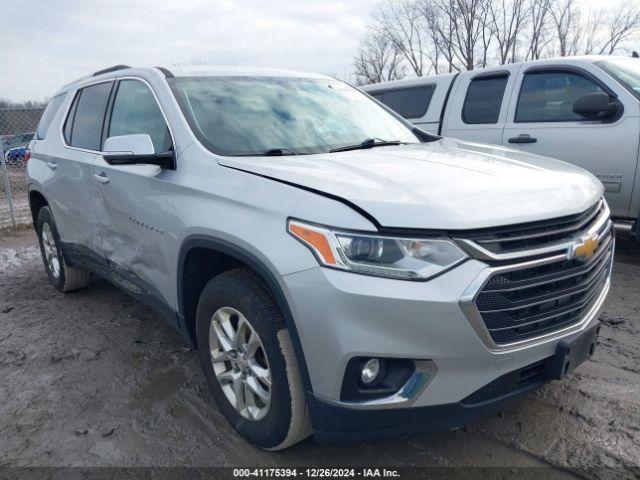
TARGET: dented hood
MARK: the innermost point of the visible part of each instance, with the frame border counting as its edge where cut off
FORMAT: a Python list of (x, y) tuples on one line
[(446, 184)]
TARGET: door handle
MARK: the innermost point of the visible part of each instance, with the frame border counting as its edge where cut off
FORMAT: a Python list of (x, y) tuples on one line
[(101, 178), (52, 165), (524, 138)]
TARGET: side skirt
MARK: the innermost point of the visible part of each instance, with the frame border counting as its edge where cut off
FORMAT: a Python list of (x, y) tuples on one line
[(125, 280)]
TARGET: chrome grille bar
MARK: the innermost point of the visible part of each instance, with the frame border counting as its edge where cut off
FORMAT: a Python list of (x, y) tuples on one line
[(600, 224), (556, 295), (524, 302), (594, 212)]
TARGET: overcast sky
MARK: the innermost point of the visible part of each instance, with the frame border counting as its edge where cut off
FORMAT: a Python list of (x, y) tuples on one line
[(47, 43)]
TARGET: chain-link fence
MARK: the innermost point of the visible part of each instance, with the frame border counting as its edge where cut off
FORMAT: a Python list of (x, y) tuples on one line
[(17, 127)]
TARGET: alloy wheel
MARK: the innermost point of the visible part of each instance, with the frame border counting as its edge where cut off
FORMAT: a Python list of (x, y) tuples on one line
[(240, 363), (50, 250)]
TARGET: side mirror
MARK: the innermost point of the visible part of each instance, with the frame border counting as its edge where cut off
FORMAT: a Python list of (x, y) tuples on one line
[(135, 149), (596, 105)]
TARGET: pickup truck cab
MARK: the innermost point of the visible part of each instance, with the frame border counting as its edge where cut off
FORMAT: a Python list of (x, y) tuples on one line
[(583, 110), (331, 281)]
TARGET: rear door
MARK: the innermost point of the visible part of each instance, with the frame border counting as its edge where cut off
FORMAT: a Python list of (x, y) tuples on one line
[(70, 189), (477, 108), (541, 120)]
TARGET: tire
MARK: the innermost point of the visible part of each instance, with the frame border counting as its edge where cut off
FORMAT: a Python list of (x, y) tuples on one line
[(233, 298), (62, 276)]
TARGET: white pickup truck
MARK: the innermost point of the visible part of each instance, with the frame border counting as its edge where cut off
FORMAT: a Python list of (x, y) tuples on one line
[(583, 110)]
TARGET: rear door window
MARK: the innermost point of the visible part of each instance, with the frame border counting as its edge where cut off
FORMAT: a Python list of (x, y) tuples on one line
[(88, 118), (47, 117), (483, 101), (410, 102)]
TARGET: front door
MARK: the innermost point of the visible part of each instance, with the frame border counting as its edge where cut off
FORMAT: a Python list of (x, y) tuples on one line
[(131, 201), (542, 121)]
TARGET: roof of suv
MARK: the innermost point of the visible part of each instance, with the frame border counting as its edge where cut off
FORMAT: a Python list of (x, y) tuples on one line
[(199, 71)]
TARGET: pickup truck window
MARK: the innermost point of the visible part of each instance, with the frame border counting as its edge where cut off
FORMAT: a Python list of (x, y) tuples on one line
[(245, 116), (410, 102), (86, 116), (624, 70), (483, 101), (549, 96), (135, 110)]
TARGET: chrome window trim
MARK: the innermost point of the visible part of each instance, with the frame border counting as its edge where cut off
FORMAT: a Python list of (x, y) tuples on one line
[(468, 307), (481, 253), (75, 91)]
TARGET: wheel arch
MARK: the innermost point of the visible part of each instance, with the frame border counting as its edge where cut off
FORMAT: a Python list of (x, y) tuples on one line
[(37, 200), (232, 256)]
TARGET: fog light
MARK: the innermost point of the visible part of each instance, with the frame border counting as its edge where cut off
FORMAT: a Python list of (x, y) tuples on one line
[(371, 371)]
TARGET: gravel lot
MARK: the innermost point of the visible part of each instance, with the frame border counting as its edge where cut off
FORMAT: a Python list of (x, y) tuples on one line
[(94, 379)]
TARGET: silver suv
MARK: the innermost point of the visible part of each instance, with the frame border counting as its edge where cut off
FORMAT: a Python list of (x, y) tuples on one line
[(338, 270)]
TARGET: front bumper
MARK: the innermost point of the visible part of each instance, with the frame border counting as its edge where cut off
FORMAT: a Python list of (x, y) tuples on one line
[(335, 422), (340, 315)]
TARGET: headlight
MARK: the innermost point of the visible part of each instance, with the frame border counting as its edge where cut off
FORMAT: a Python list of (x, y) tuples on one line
[(403, 258)]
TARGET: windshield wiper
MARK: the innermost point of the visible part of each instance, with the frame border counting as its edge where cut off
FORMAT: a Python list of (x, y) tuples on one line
[(277, 152), (368, 143)]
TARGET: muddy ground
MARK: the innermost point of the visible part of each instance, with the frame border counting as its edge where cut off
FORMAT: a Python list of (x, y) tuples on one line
[(94, 379)]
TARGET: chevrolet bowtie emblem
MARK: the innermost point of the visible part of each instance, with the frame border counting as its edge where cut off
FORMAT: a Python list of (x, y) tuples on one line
[(584, 248)]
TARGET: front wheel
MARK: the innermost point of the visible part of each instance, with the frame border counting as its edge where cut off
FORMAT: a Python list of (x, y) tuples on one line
[(248, 360)]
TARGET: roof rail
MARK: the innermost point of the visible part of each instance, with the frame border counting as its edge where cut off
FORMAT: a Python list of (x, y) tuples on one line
[(166, 72), (111, 69)]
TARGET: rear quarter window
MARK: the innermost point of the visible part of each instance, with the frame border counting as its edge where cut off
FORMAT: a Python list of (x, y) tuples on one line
[(49, 113), (410, 102)]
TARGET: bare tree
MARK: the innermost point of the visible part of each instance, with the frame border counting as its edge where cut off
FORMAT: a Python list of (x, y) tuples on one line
[(566, 20), (621, 25), (538, 20), (592, 32), (508, 18), (6, 103), (403, 24), (469, 19), (451, 35), (601, 32), (378, 60), (441, 32)]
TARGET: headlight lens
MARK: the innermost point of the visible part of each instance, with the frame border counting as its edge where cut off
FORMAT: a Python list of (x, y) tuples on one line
[(402, 258)]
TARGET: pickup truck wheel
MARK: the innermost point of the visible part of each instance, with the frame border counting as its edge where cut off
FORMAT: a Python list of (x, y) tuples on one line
[(248, 360), (62, 276)]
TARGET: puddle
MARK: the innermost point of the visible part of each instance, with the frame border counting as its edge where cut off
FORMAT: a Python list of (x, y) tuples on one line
[(160, 388)]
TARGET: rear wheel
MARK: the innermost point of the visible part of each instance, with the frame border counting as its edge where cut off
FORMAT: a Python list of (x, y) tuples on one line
[(62, 276), (248, 360)]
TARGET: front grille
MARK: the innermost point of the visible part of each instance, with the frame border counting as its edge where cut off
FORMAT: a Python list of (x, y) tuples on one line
[(524, 303), (532, 235)]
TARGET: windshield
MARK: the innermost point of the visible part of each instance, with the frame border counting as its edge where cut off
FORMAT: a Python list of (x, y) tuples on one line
[(254, 115), (626, 71)]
